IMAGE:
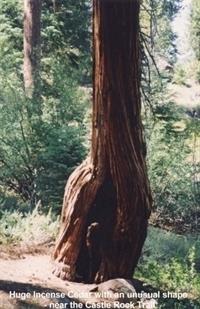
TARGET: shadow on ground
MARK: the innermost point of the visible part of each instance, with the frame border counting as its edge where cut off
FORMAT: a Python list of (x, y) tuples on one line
[(27, 289), (6, 302)]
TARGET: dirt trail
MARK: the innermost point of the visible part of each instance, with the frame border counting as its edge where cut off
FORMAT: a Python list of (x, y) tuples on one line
[(32, 269), (28, 274), (23, 278), (30, 277)]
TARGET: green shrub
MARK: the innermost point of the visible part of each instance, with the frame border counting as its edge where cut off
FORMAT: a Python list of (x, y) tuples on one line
[(39, 151), (33, 227), (180, 76), (170, 262), (197, 75), (170, 153)]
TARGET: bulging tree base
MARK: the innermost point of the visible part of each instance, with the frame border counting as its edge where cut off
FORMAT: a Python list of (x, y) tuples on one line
[(87, 223), (96, 241), (64, 272)]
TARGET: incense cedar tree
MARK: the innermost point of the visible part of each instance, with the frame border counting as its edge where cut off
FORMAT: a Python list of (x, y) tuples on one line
[(107, 199)]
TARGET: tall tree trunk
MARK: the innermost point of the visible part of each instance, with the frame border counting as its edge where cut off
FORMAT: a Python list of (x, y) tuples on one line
[(107, 199), (32, 33)]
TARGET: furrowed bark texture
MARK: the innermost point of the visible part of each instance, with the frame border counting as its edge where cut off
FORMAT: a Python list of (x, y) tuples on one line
[(32, 33), (107, 199)]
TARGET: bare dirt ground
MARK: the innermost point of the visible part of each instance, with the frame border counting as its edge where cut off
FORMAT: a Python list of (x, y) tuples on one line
[(26, 281), (27, 273)]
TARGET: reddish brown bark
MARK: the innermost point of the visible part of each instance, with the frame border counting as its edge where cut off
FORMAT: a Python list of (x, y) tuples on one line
[(32, 30), (107, 199)]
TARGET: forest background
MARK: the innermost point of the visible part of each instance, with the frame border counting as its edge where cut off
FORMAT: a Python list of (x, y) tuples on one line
[(43, 140)]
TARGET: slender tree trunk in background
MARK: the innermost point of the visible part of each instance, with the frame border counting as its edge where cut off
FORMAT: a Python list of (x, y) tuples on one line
[(107, 199), (32, 33)]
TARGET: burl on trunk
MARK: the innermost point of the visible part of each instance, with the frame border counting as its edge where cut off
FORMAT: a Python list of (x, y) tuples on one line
[(107, 199)]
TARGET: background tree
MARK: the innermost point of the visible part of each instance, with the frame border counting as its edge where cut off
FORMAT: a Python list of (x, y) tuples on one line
[(41, 142), (195, 35), (107, 199), (32, 34)]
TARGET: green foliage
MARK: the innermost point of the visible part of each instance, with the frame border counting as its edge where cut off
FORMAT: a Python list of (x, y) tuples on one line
[(165, 45), (170, 7), (156, 18), (195, 35), (196, 70), (41, 140), (195, 27), (158, 49), (11, 36), (33, 227), (162, 246), (170, 262), (66, 35), (179, 77), (174, 275), (171, 168), (38, 152), (64, 31), (169, 132), (65, 25), (197, 73)]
